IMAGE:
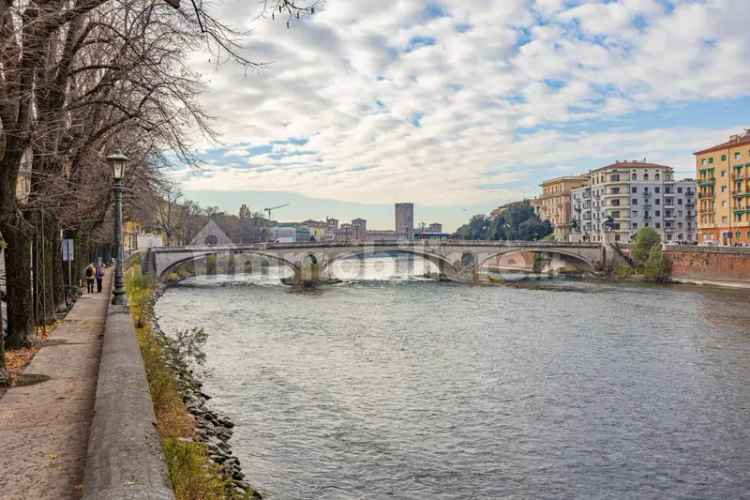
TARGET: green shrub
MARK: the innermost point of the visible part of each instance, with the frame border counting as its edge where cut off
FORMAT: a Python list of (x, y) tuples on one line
[(623, 272), (645, 239), (657, 267)]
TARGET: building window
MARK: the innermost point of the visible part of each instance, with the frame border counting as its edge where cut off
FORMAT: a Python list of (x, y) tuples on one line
[(724, 220), (635, 225), (723, 157), (634, 201), (658, 225), (724, 188), (711, 160), (658, 213), (723, 173), (679, 201), (657, 189), (634, 177), (657, 201), (645, 176), (615, 177), (656, 176), (737, 156), (679, 190), (616, 214), (703, 162)]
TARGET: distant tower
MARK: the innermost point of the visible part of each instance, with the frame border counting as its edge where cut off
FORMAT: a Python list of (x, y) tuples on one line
[(405, 220), (359, 230)]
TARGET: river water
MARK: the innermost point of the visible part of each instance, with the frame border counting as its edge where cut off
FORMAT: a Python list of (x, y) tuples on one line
[(414, 389)]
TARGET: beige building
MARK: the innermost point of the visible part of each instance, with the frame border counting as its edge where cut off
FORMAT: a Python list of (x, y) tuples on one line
[(554, 203), (724, 192)]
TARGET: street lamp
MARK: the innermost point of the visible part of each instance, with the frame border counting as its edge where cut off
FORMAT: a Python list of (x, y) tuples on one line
[(118, 161)]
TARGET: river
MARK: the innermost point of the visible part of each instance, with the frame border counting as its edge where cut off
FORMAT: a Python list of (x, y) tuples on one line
[(415, 389)]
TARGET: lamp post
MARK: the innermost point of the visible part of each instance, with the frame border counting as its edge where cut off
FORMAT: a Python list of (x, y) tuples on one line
[(118, 161)]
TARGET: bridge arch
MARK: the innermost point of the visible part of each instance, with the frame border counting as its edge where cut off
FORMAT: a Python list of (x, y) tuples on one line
[(513, 250), (442, 263), (204, 255)]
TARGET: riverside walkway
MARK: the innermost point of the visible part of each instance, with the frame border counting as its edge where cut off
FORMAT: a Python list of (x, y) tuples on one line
[(44, 427)]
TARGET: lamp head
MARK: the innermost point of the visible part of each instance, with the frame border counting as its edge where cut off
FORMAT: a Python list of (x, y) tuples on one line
[(118, 161)]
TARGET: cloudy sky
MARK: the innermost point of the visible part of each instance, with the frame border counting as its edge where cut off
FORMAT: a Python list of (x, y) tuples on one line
[(461, 105)]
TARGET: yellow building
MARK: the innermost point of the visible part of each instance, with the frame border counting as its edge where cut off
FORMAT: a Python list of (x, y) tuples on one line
[(130, 231), (724, 192), (554, 203)]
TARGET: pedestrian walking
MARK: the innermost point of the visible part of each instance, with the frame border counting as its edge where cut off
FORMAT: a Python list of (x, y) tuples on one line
[(90, 277), (99, 277)]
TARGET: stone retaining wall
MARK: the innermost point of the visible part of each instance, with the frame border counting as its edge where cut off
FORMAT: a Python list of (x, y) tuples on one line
[(710, 263), (124, 458)]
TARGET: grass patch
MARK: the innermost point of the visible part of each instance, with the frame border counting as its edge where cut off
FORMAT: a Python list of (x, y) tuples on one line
[(193, 475)]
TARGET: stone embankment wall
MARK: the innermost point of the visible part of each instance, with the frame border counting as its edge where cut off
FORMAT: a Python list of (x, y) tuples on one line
[(124, 459), (710, 264)]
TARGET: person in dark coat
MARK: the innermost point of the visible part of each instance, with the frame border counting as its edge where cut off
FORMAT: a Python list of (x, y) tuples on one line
[(99, 277)]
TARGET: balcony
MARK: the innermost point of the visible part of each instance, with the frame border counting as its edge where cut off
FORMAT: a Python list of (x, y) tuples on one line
[(741, 195), (740, 211), (706, 195), (707, 182)]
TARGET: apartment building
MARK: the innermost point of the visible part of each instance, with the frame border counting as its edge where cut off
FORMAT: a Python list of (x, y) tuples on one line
[(723, 173), (554, 203), (624, 197)]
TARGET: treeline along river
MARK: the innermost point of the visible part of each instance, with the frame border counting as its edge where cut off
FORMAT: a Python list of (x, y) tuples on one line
[(416, 389)]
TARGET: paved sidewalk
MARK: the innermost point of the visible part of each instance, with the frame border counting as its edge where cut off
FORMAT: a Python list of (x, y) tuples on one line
[(44, 427)]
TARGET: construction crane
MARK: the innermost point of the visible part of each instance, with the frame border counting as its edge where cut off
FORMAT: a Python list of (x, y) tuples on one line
[(271, 209)]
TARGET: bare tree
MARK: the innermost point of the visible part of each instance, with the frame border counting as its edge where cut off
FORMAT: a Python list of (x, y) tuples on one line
[(77, 79)]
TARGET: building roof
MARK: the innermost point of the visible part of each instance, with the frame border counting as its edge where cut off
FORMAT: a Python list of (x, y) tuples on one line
[(733, 142), (583, 177), (632, 164)]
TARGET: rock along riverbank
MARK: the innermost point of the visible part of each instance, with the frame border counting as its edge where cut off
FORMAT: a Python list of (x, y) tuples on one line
[(211, 429)]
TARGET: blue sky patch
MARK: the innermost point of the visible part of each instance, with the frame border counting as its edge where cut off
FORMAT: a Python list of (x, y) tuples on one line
[(418, 42)]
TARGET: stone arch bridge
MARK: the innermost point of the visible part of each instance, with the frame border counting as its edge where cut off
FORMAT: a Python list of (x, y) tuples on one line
[(456, 260)]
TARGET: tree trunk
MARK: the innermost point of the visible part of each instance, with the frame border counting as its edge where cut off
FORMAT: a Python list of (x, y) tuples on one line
[(18, 283), (17, 253), (44, 258)]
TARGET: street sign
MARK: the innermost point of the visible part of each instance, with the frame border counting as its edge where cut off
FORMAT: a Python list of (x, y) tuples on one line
[(67, 249)]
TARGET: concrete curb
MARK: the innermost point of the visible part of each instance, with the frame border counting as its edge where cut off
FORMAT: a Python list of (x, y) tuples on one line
[(125, 458)]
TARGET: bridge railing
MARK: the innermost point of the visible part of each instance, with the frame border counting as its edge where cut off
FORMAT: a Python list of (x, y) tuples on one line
[(383, 243)]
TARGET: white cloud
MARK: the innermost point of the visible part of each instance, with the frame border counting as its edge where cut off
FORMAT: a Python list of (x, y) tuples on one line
[(431, 104)]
